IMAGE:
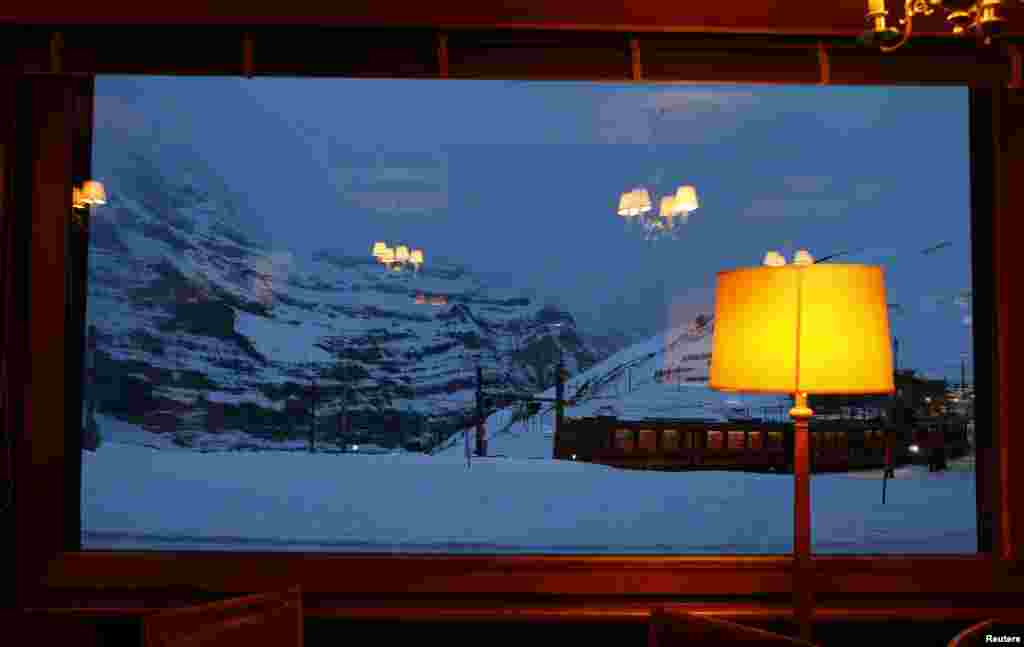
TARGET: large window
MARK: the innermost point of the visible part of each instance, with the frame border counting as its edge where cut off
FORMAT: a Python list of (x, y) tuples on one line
[(264, 375)]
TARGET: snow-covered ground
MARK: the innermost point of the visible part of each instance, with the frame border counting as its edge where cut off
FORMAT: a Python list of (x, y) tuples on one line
[(139, 497)]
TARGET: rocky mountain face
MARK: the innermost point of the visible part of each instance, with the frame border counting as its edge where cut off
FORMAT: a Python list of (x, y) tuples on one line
[(200, 326)]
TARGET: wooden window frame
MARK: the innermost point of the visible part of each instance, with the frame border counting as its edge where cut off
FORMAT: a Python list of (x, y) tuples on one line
[(50, 72)]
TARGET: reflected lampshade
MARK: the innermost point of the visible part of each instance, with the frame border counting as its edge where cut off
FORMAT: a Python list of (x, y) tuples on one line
[(378, 248), (416, 256), (774, 259), (686, 198), (93, 193), (634, 203), (667, 208), (401, 253), (820, 328), (643, 200), (803, 257)]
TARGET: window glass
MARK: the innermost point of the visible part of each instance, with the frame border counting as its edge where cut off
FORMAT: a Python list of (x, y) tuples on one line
[(648, 440), (624, 439), (737, 440), (756, 440), (716, 440), (303, 294), (669, 440)]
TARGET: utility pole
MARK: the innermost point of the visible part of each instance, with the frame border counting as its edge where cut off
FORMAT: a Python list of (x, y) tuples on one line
[(314, 397), (481, 438), (559, 397), (343, 421)]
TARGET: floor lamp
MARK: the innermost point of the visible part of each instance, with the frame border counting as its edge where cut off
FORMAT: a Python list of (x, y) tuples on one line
[(801, 329)]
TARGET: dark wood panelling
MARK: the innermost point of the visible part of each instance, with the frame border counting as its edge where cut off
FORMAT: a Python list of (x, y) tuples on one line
[(427, 575), (539, 55), (76, 271), (42, 210), (10, 259), (527, 575), (1009, 196), (923, 61), (747, 60), (844, 17), (403, 53), (506, 54), (154, 50)]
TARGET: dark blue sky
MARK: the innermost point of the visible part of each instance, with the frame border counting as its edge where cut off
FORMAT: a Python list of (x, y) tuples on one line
[(521, 180)]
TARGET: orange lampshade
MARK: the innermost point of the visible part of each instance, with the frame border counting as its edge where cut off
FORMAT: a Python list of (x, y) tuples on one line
[(821, 328)]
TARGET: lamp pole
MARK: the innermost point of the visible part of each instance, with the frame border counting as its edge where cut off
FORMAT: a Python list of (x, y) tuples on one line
[(803, 597)]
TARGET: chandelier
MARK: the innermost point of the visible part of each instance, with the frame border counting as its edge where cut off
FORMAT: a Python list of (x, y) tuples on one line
[(673, 209), (395, 258), (980, 18), (635, 206)]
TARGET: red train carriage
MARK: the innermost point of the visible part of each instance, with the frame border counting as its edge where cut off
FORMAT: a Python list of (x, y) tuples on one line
[(680, 444)]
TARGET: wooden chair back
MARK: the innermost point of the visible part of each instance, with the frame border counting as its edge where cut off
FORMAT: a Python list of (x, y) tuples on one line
[(273, 619), (669, 628)]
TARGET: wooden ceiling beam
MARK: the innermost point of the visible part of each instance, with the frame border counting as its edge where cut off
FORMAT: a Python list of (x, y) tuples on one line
[(505, 54)]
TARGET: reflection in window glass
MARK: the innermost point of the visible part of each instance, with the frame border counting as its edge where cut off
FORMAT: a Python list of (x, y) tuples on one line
[(755, 440), (301, 293), (737, 440), (648, 440), (716, 440), (669, 440), (624, 439)]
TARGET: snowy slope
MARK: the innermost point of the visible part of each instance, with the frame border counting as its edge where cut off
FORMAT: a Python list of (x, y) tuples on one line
[(191, 307), (626, 385)]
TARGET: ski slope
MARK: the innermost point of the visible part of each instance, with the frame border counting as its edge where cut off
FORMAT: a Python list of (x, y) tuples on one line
[(624, 386)]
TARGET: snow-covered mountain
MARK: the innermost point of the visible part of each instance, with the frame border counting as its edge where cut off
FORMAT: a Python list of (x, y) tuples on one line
[(200, 324)]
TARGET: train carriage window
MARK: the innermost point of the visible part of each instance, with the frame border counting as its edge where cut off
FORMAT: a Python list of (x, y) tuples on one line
[(774, 440), (670, 439), (691, 439), (648, 440), (737, 440), (756, 439), (716, 439), (624, 440)]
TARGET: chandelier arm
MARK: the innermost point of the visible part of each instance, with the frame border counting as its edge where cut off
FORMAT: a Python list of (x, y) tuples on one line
[(908, 29)]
